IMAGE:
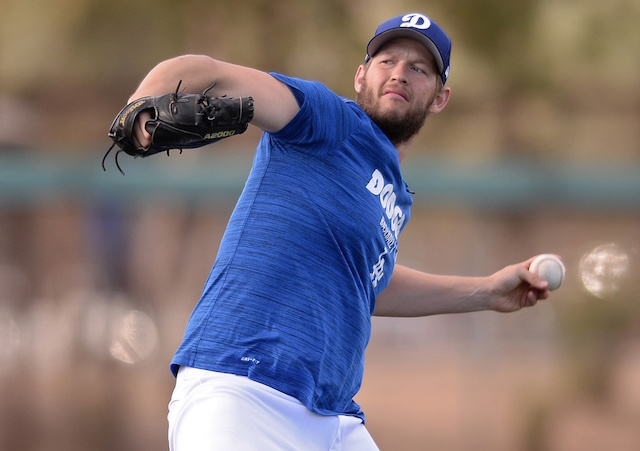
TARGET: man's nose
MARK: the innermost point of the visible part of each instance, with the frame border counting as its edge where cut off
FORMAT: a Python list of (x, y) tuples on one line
[(399, 73)]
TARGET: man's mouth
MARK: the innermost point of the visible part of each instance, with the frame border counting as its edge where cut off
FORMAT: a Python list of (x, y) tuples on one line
[(396, 93)]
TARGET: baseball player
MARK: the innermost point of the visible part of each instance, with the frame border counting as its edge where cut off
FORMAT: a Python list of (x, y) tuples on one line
[(273, 353)]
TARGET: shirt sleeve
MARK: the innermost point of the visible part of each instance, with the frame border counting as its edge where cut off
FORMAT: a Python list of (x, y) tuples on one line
[(323, 122)]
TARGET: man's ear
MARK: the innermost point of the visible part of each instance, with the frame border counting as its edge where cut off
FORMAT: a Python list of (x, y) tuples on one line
[(358, 79), (440, 101)]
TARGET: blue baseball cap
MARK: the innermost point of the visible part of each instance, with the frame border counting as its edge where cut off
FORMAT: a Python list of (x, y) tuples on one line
[(419, 27)]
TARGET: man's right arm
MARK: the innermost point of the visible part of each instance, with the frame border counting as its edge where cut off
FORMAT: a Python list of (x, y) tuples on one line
[(274, 103)]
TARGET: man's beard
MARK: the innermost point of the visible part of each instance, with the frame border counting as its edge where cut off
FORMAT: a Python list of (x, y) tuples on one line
[(399, 127)]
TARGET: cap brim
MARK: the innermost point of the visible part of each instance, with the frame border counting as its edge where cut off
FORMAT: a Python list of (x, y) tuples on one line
[(376, 43)]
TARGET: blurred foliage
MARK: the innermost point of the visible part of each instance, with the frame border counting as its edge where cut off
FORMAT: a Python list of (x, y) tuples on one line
[(517, 40), (103, 42), (500, 32), (538, 76)]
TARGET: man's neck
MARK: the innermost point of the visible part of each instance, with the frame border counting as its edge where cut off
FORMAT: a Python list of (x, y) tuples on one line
[(403, 149)]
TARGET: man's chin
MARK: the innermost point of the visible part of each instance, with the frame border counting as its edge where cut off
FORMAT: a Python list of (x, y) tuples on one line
[(398, 127)]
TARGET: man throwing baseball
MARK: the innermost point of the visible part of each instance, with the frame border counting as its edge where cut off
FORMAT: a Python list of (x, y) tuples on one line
[(273, 353)]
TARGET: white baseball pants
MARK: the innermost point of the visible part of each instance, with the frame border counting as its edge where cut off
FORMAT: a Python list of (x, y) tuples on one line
[(212, 411)]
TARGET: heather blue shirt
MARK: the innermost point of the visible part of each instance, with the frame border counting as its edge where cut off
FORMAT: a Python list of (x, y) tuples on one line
[(311, 242)]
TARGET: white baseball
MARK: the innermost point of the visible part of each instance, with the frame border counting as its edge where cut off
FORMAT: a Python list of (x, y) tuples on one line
[(550, 268)]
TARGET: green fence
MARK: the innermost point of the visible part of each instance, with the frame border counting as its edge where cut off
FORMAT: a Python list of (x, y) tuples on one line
[(28, 178)]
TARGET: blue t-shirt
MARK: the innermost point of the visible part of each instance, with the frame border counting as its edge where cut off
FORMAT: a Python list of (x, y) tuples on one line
[(311, 242)]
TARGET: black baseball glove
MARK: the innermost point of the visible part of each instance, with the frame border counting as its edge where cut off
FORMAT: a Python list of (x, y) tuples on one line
[(179, 121)]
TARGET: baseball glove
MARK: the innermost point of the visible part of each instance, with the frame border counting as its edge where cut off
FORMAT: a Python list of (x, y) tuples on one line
[(179, 121)]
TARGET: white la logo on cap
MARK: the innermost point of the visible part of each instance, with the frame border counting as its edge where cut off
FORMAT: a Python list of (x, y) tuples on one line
[(416, 21)]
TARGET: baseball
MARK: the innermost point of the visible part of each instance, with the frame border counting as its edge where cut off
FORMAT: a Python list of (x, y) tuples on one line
[(550, 268)]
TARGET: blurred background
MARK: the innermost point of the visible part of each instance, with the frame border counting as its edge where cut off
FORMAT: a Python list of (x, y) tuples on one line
[(538, 151)]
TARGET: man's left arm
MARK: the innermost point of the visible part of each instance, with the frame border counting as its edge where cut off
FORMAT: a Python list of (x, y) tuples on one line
[(415, 293)]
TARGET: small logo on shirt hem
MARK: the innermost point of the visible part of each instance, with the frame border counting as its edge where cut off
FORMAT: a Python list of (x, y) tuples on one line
[(250, 360)]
